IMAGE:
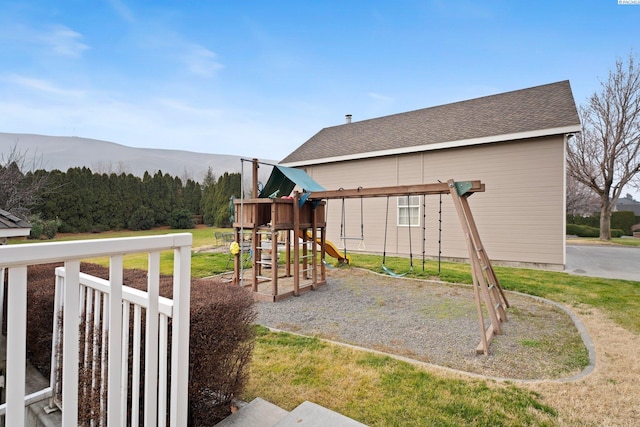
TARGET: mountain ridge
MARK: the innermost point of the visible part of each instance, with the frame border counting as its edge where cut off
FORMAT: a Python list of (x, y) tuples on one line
[(64, 152)]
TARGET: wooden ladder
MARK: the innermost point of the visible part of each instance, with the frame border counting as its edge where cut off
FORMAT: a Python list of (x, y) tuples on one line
[(486, 285)]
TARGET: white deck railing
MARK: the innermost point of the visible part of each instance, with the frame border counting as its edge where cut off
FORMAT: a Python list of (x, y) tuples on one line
[(105, 305)]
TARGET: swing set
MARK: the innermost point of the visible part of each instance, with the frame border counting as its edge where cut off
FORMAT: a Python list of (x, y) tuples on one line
[(302, 220), (489, 295)]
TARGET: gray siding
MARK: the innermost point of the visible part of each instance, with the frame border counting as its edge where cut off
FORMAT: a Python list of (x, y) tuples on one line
[(520, 216)]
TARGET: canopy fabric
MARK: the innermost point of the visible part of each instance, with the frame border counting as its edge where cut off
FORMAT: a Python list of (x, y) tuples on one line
[(284, 179)]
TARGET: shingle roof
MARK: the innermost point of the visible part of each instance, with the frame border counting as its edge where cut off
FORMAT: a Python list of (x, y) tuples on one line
[(8, 220), (548, 107)]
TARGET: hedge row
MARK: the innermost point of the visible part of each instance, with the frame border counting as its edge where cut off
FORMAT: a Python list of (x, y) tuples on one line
[(622, 220), (587, 231)]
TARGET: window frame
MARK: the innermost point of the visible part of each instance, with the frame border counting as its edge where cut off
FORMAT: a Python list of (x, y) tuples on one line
[(413, 203)]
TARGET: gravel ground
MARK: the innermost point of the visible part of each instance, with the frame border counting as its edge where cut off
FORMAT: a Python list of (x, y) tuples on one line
[(431, 322)]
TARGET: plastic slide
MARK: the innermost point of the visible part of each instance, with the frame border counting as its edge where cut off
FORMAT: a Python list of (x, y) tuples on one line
[(330, 249)]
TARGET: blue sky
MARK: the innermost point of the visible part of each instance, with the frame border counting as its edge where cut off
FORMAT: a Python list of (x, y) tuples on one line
[(258, 78)]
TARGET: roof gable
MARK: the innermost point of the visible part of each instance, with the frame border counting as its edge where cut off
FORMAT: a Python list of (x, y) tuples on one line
[(548, 109)]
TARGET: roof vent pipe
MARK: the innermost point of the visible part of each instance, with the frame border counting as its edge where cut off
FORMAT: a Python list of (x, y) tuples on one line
[(347, 118)]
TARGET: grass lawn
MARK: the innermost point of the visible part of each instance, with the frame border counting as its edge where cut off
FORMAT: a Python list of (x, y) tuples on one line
[(380, 391), (203, 264), (619, 241)]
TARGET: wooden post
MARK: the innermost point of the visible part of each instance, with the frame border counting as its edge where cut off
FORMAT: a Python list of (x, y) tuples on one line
[(296, 246), (314, 250), (236, 258), (274, 251), (323, 243), (256, 267), (254, 179)]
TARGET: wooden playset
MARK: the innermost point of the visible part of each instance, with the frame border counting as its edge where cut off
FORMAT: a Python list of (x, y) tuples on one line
[(285, 234)]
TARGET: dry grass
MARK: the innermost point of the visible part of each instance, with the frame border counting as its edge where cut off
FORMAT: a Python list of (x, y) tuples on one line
[(610, 395)]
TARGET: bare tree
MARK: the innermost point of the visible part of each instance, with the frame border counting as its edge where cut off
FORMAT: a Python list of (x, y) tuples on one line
[(605, 156), (17, 191), (581, 200)]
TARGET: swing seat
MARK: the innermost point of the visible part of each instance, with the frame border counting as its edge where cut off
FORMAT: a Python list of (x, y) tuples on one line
[(326, 264), (391, 273)]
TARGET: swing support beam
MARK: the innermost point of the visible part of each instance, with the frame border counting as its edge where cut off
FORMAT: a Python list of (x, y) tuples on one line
[(399, 190)]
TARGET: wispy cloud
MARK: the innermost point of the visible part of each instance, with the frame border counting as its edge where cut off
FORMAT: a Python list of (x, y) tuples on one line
[(57, 40), (64, 41), (122, 10), (184, 107), (40, 85), (379, 97), (201, 61)]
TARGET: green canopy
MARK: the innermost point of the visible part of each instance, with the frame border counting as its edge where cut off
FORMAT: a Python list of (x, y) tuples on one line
[(283, 180)]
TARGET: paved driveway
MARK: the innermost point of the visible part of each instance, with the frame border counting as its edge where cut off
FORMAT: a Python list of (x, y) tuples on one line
[(611, 262)]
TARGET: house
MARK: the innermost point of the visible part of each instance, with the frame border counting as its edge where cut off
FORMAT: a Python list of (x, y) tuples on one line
[(513, 142), (12, 226), (628, 203)]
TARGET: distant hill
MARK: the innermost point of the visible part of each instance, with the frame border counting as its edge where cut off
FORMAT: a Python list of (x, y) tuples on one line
[(64, 152)]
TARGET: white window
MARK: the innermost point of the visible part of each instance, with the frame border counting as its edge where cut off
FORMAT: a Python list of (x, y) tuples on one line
[(409, 210)]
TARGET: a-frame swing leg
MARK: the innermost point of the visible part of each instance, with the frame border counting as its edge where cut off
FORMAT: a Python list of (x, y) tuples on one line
[(495, 288), (486, 285)]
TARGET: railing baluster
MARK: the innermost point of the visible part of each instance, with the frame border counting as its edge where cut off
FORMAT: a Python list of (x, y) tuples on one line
[(96, 362), (1, 296), (16, 344), (180, 333), (163, 353), (124, 357), (151, 340), (70, 345), (86, 297), (114, 410), (54, 379), (103, 359), (135, 368)]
